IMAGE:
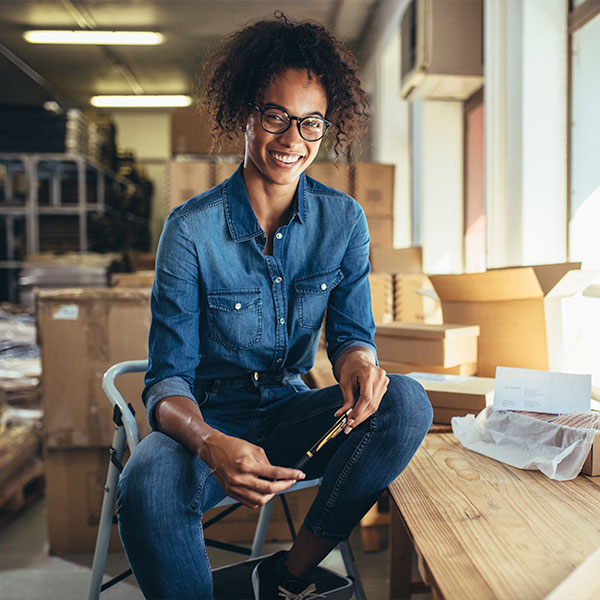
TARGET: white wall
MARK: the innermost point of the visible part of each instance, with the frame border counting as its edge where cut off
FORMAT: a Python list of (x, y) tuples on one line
[(526, 131), (584, 241), (148, 134), (438, 189), (391, 136)]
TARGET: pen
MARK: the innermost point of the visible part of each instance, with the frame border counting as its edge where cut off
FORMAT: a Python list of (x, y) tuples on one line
[(336, 428)]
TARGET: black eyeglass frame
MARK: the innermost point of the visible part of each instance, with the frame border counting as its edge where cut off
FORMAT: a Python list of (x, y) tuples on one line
[(263, 109)]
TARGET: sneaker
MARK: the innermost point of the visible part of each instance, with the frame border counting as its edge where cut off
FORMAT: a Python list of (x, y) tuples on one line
[(272, 581)]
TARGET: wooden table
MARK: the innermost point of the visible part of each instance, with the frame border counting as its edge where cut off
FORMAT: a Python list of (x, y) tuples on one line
[(484, 530)]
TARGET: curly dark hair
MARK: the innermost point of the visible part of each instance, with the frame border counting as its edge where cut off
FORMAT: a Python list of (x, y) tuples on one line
[(252, 57)]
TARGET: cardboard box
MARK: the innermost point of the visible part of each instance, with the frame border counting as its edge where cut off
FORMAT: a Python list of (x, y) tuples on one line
[(141, 261), (464, 370), (374, 188), (139, 279), (185, 179), (338, 177), (445, 345), (414, 299), (190, 133), (453, 391), (381, 230), (82, 332), (591, 466), (224, 170), (529, 316), (382, 301), (75, 480), (396, 260), (443, 416)]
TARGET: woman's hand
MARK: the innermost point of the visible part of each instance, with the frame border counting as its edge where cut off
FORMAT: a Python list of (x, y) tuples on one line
[(244, 471), (241, 468), (356, 369)]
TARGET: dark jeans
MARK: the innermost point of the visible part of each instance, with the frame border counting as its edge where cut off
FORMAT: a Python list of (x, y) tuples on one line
[(164, 489)]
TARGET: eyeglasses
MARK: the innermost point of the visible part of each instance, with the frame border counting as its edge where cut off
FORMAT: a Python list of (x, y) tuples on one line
[(277, 120)]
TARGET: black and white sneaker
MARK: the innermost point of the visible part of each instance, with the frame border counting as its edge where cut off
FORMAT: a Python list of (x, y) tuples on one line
[(272, 581)]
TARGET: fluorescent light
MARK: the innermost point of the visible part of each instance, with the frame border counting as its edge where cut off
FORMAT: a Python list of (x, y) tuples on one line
[(87, 36), (145, 101)]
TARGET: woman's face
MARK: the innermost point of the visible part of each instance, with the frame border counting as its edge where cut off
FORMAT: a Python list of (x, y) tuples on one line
[(279, 158)]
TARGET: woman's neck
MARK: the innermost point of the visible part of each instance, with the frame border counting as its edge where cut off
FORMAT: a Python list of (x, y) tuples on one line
[(272, 203)]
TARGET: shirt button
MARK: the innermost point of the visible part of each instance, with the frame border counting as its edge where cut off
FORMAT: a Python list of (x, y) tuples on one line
[(278, 280), (279, 360), (255, 375), (323, 286), (279, 235), (237, 306), (282, 321)]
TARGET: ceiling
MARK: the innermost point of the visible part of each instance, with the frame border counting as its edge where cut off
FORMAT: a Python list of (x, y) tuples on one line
[(33, 73)]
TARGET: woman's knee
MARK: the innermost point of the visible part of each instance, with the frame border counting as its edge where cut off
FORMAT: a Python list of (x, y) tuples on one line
[(155, 475)]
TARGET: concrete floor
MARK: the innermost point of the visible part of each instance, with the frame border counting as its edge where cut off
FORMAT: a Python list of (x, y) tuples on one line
[(27, 572)]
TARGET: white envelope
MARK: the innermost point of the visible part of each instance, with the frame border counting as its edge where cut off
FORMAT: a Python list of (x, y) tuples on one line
[(541, 391)]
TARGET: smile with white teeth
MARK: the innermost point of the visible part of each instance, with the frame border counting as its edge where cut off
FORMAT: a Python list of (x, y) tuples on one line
[(285, 158)]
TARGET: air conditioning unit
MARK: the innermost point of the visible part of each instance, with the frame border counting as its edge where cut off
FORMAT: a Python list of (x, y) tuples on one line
[(442, 49)]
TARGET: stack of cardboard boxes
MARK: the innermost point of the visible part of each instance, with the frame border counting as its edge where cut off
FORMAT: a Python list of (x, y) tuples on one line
[(456, 396), (444, 349), (372, 185), (188, 177), (81, 333), (412, 297)]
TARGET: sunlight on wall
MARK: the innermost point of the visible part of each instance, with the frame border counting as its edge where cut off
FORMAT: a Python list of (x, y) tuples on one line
[(584, 227), (584, 241)]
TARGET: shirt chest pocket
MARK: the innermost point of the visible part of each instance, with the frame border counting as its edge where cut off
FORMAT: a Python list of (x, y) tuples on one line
[(235, 317), (313, 292)]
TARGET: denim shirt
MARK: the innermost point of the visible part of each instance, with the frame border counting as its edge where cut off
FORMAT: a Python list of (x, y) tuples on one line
[(222, 308)]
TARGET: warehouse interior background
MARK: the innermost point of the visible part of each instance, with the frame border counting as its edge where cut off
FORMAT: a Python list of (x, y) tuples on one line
[(510, 172), (487, 110)]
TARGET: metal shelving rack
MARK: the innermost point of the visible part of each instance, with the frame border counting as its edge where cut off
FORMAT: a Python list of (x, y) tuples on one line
[(54, 167)]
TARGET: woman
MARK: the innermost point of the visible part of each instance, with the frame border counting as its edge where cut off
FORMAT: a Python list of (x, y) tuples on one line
[(244, 275)]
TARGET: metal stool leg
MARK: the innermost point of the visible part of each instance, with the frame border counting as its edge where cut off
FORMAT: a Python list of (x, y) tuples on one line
[(106, 516), (260, 533), (348, 558)]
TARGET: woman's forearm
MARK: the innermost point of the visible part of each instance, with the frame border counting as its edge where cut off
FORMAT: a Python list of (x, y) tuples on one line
[(179, 417)]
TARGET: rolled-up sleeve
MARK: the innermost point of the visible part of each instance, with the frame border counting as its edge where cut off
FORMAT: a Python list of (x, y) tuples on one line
[(349, 316), (173, 344)]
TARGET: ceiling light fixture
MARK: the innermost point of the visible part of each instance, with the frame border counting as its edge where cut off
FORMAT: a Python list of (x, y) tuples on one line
[(146, 101), (88, 36)]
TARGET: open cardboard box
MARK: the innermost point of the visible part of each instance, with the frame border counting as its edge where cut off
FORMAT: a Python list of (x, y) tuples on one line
[(530, 317)]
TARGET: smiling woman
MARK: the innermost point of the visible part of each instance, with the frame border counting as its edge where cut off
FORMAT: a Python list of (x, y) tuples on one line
[(254, 56), (245, 273)]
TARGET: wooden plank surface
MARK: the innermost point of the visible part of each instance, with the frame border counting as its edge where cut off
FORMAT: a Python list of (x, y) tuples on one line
[(485, 530)]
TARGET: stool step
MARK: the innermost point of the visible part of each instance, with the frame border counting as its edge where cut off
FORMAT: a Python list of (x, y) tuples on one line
[(233, 582)]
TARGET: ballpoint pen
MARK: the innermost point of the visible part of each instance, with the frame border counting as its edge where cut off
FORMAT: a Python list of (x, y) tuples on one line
[(336, 428)]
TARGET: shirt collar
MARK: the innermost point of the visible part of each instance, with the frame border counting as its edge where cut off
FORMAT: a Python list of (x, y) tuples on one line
[(241, 220)]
